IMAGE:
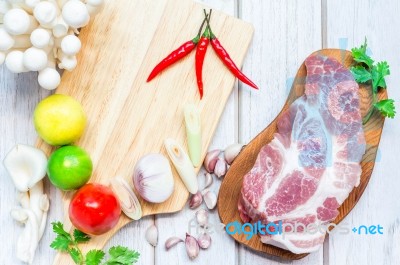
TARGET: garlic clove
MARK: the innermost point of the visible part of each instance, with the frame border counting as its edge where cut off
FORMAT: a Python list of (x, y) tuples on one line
[(195, 200), (152, 235), (211, 160), (220, 168), (130, 204), (204, 241), (208, 180), (210, 198), (202, 217), (172, 242), (192, 246), (26, 166), (231, 152), (153, 178)]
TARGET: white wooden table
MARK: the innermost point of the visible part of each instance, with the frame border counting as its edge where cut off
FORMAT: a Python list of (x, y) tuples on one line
[(286, 33)]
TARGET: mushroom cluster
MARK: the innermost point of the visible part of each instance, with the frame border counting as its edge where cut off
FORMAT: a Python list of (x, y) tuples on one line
[(26, 166), (38, 35)]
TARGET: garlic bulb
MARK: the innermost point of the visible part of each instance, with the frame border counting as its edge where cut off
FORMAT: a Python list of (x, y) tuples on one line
[(153, 178)]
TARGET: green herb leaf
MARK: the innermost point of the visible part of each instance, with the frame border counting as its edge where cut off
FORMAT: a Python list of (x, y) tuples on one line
[(386, 107), (63, 239), (360, 55), (58, 228), (122, 256), (94, 257), (60, 243), (76, 255), (361, 75), (378, 75), (80, 237)]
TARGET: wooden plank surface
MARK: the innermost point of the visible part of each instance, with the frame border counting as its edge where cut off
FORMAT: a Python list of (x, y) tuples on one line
[(350, 20)]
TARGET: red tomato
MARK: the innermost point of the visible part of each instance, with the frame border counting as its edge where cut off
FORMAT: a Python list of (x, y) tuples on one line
[(94, 209)]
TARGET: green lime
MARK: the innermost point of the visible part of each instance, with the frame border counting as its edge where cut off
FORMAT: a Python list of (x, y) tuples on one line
[(69, 167), (59, 119)]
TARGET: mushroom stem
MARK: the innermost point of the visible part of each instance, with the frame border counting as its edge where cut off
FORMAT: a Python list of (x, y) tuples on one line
[(28, 240)]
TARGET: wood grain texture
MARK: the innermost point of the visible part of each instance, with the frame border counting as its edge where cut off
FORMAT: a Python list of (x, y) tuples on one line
[(178, 224), (123, 110), (230, 189), (348, 23)]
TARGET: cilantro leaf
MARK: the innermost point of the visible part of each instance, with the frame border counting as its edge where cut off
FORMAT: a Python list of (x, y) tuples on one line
[(76, 255), (386, 107), (122, 256), (60, 243), (361, 75), (63, 239), (360, 55), (94, 257), (58, 228), (378, 75), (80, 237)]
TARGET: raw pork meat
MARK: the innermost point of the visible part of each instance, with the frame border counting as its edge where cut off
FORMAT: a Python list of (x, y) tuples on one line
[(306, 172)]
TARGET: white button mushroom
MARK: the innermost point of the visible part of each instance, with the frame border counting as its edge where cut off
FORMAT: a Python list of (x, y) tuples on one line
[(70, 45), (15, 62), (94, 6), (6, 41), (4, 7), (35, 59), (46, 13), (49, 78), (2, 57), (17, 21), (75, 14), (40, 38), (32, 3), (68, 63), (60, 28)]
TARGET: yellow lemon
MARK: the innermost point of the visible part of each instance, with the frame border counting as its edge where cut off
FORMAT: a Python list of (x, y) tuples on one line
[(59, 119)]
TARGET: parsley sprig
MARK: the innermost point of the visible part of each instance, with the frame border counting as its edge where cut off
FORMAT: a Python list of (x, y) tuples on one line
[(65, 242), (367, 71)]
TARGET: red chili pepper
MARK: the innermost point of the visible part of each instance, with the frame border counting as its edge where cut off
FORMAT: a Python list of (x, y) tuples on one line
[(200, 55), (226, 58), (176, 55)]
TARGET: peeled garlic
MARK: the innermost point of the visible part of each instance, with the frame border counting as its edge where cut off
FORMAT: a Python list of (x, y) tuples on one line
[(172, 242), (192, 247), (204, 241), (153, 178), (195, 200), (211, 160), (210, 198), (152, 235), (231, 152), (202, 217)]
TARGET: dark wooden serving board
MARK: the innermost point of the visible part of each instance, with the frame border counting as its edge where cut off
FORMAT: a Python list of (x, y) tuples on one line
[(231, 185)]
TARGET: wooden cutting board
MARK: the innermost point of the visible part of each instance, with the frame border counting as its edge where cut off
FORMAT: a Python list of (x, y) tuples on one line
[(127, 117), (232, 183)]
